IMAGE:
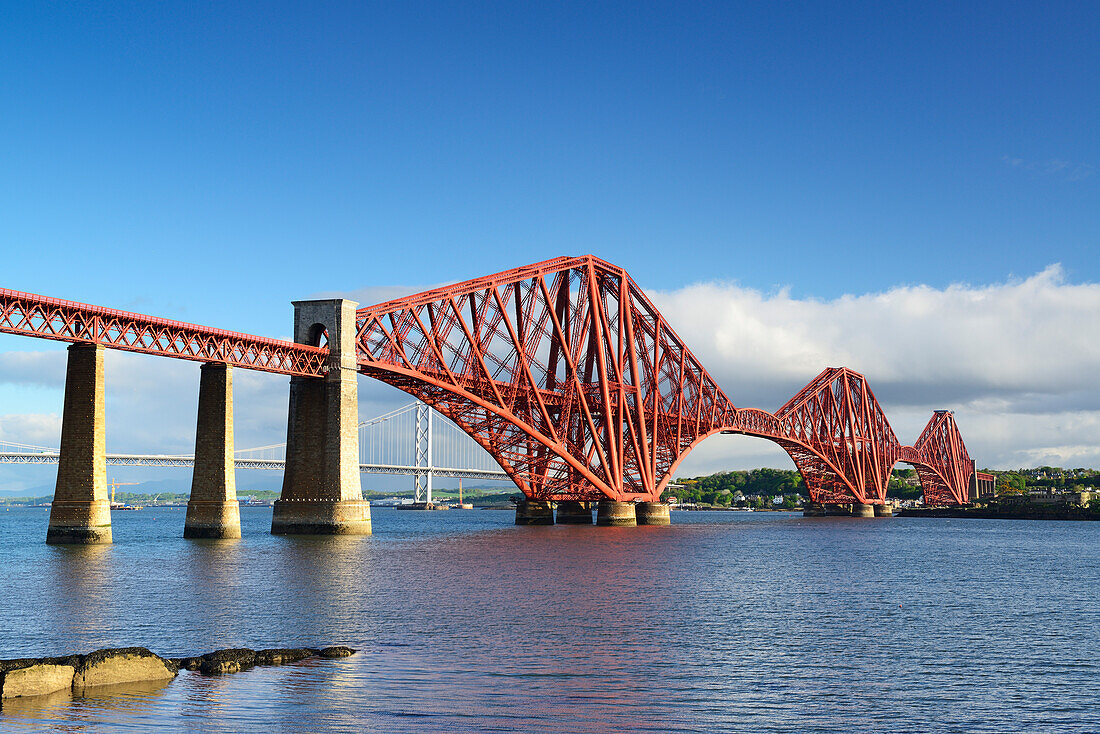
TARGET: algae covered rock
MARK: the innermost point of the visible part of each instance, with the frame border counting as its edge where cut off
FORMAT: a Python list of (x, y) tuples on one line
[(336, 651), (232, 660), (282, 656), (192, 663), (26, 677), (121, 665)]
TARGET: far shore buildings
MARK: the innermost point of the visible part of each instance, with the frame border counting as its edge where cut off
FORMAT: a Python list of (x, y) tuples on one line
[(1049, 496)]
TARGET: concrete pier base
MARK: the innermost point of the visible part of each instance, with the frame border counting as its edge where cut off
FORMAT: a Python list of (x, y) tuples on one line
[(884, 511), (321, 490), (610, 513), (212, 510), (574, 513), (652, 513), (813, 509), (79, 522), (80, 512), (534, 512), (321, 517), (861, 510), (212, 519)]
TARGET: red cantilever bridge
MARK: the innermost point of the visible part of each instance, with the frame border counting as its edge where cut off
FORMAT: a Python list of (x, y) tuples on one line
[(565, 373), (568, 375)]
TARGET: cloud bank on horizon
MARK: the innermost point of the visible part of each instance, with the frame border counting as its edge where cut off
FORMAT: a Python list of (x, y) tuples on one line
[(1017, 361)]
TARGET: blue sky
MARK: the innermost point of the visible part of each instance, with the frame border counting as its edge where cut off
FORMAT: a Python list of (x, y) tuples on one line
[(212, 162)]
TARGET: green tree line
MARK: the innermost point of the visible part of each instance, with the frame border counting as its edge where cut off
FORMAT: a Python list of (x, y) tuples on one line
[(721, 488)]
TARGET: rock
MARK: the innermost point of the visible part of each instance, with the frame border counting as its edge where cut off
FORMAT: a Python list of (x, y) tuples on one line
[(233, 660), (121, 665), (40, 676), (37, 679), (188, 663), (73, 660), (6, 665), (338, 651), (282, 656)]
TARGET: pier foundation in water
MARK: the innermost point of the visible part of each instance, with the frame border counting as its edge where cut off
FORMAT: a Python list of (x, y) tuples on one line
[(652, 513), (611, 513), (813, 509), (860, 509), (534, 512), (213, 510), (80, 512), (321, 487), (574, 513)]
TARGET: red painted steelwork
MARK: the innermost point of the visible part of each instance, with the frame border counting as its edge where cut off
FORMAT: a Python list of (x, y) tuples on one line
[(563, 371), (51, 318), (570, 378), (839, 438), (943, 464)]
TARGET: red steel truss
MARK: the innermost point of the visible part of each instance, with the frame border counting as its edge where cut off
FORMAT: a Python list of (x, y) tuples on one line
[(563, 371), (943, 465), (569, 377), (52, 318), (839, 438)]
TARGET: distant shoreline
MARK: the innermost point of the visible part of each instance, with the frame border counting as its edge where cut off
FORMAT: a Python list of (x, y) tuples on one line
[(1022, 511)]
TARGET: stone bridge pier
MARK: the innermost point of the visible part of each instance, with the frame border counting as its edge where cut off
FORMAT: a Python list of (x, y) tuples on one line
[(608, 513), (321, 491), (213, 510), (81, 512)]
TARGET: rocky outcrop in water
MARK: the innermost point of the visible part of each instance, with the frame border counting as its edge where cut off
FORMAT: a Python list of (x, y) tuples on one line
[(282, 656), (24, 677), (39, 676), (338, 651), (36, 677), (221, 662), (121, 665)]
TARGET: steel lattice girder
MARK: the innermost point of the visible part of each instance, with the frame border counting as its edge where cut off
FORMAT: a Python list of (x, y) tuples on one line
[(570, 378), (852, 446), (943, 464), (52, 318), (563, 371), (567, 375)]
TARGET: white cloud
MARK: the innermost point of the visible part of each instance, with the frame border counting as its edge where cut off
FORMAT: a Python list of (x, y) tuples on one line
[(1054, 167), (1017, 361), (33, 369), (1039, 336), (34, 429)]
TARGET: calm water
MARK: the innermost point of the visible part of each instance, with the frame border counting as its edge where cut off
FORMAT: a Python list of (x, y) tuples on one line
[(722, 622)]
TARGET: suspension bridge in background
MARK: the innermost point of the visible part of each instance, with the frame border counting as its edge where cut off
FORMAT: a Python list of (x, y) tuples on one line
[(563, 372), (411, 440)]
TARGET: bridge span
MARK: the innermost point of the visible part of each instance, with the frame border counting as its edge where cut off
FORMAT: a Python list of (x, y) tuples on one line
[(562, 371)]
